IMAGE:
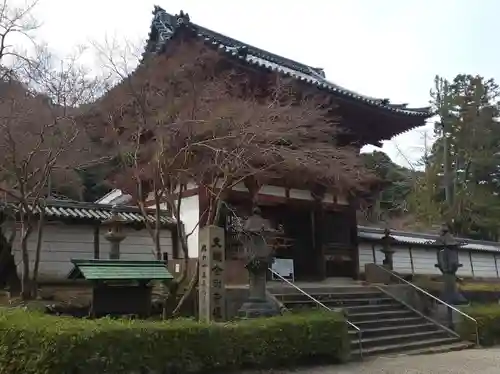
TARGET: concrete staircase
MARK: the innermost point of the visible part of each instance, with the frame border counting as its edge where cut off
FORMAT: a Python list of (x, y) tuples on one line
[(387, 326)]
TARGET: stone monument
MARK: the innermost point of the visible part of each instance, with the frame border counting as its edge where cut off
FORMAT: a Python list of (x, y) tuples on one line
[(211, 262), (256, 238), (114, 235)]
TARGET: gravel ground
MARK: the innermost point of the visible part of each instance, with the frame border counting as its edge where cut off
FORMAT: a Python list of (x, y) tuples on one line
[(471, 361)]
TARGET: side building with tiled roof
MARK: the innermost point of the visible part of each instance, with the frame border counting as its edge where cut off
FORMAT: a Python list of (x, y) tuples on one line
[(416, 254), (75, 230)]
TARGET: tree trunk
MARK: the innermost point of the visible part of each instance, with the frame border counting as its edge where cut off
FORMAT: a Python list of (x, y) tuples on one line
[(189, 291), (25, 276), (213, 218), (39, 240), (8, 268)]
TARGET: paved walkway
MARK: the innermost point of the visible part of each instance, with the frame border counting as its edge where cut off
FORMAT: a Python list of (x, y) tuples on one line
[(472, 361)]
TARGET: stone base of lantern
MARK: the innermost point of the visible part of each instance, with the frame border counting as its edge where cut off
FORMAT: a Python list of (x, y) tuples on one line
[(448, 317), (256, 308)]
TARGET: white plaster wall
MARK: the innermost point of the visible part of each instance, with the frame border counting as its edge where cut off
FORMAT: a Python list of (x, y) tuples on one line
[(137, 245), (300, 194), (273, 191), (402, 260), (424, 260), (484, 264), (365, 255), (61, 243), (466, 269), (190, 216), (379, 256)]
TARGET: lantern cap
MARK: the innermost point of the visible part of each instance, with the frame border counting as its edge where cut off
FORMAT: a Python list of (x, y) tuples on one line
[(256, 223), (446, 239), (115, 217)]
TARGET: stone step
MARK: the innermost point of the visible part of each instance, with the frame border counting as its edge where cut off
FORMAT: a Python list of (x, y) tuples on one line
[(397, 338), (350, 310), (335, 301), (359, 299), (407, 347), (344, 292), (405, 329), (359, 317), (352, 307), (358, 309), (444, 348), (389, 322)]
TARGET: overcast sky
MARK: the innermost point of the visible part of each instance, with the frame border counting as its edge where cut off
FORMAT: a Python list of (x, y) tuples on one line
[(385, 48)]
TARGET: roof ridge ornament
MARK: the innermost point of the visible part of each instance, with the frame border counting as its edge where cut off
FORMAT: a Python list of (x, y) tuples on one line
[(182, 18), (157, 9)]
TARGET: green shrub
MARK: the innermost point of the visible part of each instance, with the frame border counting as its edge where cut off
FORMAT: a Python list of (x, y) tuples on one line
[(33, 343), (488, 321)]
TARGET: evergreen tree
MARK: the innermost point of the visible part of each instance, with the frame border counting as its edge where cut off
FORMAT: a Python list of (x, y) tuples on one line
[(461, 182)]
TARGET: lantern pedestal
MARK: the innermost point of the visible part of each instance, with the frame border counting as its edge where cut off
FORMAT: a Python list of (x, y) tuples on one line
[(448, 317), (448, 263), (257, 305), (450, 294), (257, 235)]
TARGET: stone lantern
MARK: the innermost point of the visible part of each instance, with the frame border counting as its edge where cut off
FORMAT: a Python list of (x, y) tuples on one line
[(448, 263), (387, 249), (257, 235), (114, 235)]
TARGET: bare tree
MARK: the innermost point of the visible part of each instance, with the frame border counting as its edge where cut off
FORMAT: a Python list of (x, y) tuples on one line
[(39, 139), (38, 142), (185, 119), (15, 21)]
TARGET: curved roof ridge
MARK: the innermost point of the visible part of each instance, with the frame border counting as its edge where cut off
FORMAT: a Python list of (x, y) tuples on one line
[(164, 26)]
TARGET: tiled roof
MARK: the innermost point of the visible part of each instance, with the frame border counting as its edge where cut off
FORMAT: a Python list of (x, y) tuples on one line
[(119, 270), (422, 239), (60, 209), (165, 25)]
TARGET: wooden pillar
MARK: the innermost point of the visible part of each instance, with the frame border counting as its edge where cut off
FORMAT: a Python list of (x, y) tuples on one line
[(317, 215), (175, 241), (411, 260), (97, 241), (351, 215)]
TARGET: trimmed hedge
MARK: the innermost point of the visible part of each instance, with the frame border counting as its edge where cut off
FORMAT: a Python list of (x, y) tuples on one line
[(33, 343), (488, 320)]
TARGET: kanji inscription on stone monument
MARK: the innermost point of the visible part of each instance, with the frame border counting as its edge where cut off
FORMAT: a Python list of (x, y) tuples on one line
[(212, 305)]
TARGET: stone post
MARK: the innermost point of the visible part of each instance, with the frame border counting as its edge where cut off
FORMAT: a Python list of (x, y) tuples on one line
[(257, 234), (387, 249), (448, 263), (211, 265), (114, 235)]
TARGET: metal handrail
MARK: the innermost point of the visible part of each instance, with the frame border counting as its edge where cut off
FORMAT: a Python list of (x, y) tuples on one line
[(392, 273), (358, 330)]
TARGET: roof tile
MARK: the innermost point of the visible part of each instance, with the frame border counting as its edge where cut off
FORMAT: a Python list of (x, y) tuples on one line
[(165, 26), (119, 270)]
